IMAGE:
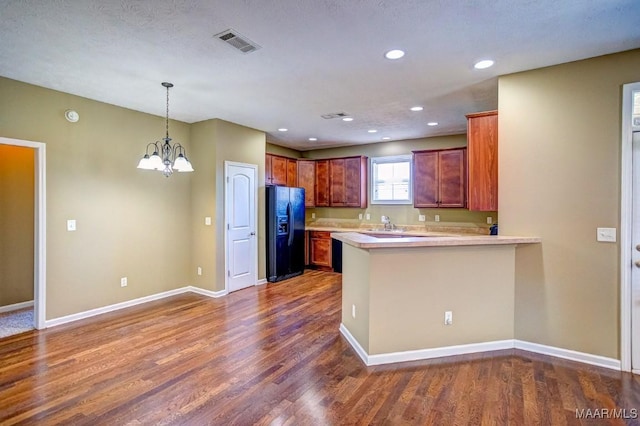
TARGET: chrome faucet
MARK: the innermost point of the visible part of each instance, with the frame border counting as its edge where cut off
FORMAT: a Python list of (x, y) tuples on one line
[(387, 223)]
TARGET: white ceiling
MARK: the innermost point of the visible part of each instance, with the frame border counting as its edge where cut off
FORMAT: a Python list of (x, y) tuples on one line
[(316, 57)]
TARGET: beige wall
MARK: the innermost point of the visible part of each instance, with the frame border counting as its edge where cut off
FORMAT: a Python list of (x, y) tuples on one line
[(559, 178), (16, 224), (398, 315), (400, 214), (281, 150), (214, 142), (130, 222)]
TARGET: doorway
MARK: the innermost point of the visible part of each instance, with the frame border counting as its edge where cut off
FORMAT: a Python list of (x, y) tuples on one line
[(39, 226), (241, 260), (630, 230)]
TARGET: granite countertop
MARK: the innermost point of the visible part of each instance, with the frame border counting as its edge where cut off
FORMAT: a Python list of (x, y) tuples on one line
[(399, 240)]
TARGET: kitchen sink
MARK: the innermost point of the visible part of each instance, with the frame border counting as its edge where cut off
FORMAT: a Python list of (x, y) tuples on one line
[(387, 234)]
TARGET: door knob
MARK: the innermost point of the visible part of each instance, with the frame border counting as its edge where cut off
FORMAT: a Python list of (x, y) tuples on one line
[(637, 263), (253, 233), (638, 247)]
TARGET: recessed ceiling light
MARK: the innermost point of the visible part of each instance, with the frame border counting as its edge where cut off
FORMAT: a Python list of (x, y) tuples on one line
[(313, 139), (347, 119), (394, 54), (417, 108), (432, 123), (372, 131), (386, 138), (486, 63), (282, 129)]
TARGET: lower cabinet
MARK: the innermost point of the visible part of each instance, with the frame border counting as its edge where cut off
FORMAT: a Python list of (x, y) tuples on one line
[(320, 249)]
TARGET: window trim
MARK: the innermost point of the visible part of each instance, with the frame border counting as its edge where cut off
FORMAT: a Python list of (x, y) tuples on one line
[(390, 159)]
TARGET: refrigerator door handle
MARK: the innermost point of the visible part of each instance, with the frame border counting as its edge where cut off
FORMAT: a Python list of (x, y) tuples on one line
[(290, 220)]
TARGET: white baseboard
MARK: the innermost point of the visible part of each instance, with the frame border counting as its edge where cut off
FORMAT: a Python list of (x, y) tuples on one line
[(262, 281), (421, 354), (597, 360), (214, 294), (16, 306), (129, 303)]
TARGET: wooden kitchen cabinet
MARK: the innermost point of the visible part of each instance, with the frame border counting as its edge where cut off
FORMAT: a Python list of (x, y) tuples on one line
[(280, 170), (482, 146), (439, 178), (322, 183), (348, 182), (307, 180), (320, 249)]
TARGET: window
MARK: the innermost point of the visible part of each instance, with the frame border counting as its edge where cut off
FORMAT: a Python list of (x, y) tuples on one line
[(391, 180)]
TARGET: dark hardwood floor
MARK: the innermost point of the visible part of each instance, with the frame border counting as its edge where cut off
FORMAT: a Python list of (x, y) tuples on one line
[(273, 355)]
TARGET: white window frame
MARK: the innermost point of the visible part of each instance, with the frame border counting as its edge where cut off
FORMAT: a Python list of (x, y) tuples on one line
[(390, 159)]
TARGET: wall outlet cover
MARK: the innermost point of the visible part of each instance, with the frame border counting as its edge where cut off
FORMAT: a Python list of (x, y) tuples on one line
[(607, 235)]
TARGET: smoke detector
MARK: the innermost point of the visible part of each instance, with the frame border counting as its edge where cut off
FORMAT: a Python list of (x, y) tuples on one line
[(237, 41)]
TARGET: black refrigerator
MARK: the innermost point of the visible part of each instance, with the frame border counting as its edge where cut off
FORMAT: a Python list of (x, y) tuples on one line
[(285, 232)]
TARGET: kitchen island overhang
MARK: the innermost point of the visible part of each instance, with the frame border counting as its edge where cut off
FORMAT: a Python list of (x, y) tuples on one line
[(395, 292)]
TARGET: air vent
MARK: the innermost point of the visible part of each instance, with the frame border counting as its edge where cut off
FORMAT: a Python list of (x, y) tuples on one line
[(334, 115), (237, 41)]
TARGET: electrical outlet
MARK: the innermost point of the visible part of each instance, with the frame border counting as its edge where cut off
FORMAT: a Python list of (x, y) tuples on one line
[(313, 215), (607, 235), (437, 218), (360, 216), (489, 220), (207, 221), (353, 311), (368, 216), (199, 270), (123, 282), (421, 218), (448, 317), (71, 225)]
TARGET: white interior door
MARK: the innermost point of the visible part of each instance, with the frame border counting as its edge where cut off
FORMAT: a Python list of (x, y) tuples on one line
[(240, 217), (635, 257)]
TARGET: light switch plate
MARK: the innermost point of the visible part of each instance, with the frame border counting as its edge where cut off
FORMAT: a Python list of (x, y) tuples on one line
[(489, 220), (71, 225), (437, 218), (207, 221), (607, 235), (368, 216), (421, 218), (313, 215)]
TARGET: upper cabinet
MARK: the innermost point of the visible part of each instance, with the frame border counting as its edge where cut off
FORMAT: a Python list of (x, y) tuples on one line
[(322, 183), (280, 170), (348, 182), (439, 178), (482, 145), (307, 180)]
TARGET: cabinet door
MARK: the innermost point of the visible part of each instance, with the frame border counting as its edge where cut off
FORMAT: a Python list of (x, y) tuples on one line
[(292, 172), (482, 147), (355, 192), (425, 179), (451, 171), (322, 183), (337, 176), (307, 180), (320, 249), (278, 170), (267, 170)]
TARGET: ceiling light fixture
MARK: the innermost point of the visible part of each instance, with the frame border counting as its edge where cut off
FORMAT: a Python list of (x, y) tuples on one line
[(372, 131), (416, 108), (486, 63), (282, 129), (313, 139), (432, 123), (386, 138), (394, 54), (347, 119), (173, 157)]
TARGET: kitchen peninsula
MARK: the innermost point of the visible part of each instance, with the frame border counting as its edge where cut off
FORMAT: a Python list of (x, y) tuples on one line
[(396, 290)]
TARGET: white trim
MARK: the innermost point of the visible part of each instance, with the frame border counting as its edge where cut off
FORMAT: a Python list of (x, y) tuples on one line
[(261, 281), (626, 221), (421, 354), (16, 306), (40, 228), (209, 293), (597, 360), (255, 216)]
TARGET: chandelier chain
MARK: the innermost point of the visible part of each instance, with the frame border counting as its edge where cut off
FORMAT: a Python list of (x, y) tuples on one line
[(167, 121)]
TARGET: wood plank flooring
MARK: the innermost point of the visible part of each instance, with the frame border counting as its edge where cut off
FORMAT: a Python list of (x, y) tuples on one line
[(273, 355)]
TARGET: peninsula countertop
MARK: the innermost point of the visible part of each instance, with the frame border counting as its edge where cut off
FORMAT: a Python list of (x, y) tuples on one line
[(426, 239)]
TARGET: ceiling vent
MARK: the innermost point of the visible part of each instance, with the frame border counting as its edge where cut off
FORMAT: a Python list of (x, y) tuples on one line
[(237, 41), (334, 115)]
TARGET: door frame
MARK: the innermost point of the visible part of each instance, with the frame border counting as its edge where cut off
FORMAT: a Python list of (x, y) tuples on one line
[(227, 203), (40, 228), (626, 226)]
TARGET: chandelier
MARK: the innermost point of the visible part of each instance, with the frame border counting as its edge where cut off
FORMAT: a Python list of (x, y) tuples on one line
[(166, 158)]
